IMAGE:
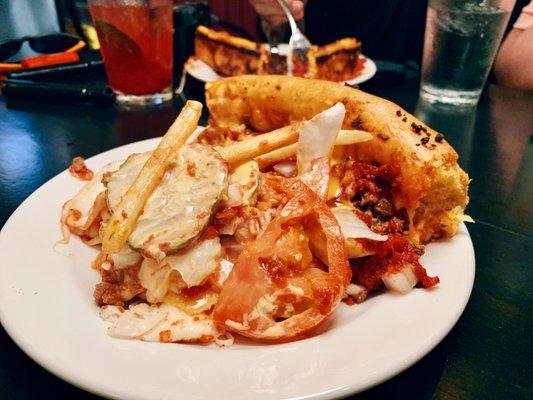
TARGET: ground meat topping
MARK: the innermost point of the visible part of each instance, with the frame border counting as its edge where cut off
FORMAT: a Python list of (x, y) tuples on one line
[(390, 256), (79, 170), (384, 208), (118, 286), (368, 187)]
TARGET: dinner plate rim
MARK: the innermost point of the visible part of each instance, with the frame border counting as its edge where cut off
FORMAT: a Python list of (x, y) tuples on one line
[(86, 384)]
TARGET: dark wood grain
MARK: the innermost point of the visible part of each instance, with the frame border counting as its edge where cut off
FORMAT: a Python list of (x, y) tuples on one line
[(488, 353)]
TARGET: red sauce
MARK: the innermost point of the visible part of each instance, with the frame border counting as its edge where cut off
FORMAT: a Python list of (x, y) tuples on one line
[(365, 217), (275, 268), (79, 170), (359, 68), (342, 66), (366, 185), (209, 233), (196, 291), (365, 177), (299, 68), (391, 256), (369, 188), (272, 194)]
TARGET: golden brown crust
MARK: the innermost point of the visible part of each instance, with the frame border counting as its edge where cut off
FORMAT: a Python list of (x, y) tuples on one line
[(339, 61), (227, 55), (226, 38), (346, 44), (232, 56), (430, 184)]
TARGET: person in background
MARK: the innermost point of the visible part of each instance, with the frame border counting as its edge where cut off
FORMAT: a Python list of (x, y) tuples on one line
[(20, 18), (390, 30), (514, 62), (272, 13), (393, 30)]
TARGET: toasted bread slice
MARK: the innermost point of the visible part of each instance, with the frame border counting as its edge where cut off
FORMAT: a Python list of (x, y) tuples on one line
[(228, 55), (339, 61)]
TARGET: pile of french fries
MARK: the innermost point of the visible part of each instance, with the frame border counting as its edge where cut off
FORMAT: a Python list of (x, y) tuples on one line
[(267, 149)]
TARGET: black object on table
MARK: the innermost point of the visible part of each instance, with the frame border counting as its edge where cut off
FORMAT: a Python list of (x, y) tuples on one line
[(53, 91), (81, 82), (55, 71), (488, 353)]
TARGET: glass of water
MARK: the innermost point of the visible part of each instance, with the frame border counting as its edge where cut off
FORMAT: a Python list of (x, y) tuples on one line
[(460, 44)]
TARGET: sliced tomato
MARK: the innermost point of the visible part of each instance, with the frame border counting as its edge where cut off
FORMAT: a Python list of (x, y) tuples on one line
[(277, 291)]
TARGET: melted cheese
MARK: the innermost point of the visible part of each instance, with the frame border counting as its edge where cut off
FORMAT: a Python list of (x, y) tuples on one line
[(125, 258), (155, 279), (192, 305), (198, 262), (188, 269), (162, 323), (179, 209), (84, 200), (334, 186)]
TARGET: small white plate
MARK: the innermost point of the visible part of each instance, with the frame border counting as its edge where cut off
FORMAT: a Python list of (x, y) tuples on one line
[(46, 306), (203, 72)]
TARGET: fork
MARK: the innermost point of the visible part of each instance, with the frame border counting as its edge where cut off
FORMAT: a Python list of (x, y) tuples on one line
[(277, 64), (299, 46)]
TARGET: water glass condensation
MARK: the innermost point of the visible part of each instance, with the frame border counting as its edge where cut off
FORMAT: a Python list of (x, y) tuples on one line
[(460, 44)]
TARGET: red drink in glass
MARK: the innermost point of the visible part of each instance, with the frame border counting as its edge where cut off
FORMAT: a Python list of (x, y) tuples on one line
[(136, 44)]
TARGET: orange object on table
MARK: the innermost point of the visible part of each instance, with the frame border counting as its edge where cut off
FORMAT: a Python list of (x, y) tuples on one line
[(66, 57), (50, 59)]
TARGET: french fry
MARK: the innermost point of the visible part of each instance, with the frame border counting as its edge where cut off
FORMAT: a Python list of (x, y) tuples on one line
[(268, 159), (261, 144), (344, 138), (122, 222), (352, 136)]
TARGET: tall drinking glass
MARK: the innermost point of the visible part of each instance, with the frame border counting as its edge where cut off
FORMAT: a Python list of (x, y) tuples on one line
[(460, 44), (136, 44)]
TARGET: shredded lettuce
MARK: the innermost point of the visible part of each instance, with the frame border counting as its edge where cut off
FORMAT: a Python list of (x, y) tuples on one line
[(317, 136), (352, 227)]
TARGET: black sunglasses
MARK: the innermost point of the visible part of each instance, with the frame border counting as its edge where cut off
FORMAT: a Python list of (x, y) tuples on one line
[(46, 44)]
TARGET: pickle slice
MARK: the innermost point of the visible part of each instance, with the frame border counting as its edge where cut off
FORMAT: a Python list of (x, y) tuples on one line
[(180, 208)]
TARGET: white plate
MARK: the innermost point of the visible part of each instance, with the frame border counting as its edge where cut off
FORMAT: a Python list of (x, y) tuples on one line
[(203, 72), (46, 306)]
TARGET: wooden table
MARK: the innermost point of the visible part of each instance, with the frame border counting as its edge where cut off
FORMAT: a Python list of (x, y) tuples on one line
[(488, 353)]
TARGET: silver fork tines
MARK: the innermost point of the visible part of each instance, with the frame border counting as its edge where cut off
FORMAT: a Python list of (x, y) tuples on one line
[(299, 45)]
